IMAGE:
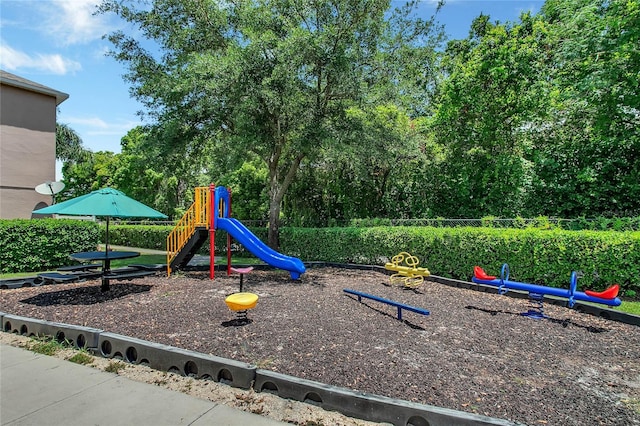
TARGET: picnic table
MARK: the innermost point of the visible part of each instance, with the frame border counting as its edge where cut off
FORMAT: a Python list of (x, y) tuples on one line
[(105, 257)]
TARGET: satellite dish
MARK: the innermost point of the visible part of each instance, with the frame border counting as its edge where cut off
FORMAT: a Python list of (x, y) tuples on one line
[(50, 188)]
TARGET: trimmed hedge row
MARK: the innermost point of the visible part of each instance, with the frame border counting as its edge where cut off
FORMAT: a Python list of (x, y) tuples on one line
[(144, 236), (155, 237), (36, 245), (540, 222), (545, 257), (538, 256)]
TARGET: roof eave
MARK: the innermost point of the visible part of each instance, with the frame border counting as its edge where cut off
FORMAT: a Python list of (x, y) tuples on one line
[(26, 85)]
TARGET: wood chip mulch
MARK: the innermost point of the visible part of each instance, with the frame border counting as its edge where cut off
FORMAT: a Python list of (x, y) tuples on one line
[(474, 352)]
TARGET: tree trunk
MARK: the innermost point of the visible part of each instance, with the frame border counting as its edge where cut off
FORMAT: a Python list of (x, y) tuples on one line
[(274, 221), (277, 190)]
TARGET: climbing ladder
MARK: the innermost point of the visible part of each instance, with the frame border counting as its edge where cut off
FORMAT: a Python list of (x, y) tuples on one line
[(190, 232)]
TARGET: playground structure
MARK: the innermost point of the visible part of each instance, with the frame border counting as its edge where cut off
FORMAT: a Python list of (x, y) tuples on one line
[(211, 211), (408, 275), (537, 292)]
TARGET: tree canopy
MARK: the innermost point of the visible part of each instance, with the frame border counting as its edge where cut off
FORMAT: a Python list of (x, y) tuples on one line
[(329, 111), (541, 116), (69, 145), (270, 79)]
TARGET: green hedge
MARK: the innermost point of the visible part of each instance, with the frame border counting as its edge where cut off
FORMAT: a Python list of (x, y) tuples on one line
[(145, 236), (541, 256), (36, 245), (540, 222), (545, 257), (155, 237)]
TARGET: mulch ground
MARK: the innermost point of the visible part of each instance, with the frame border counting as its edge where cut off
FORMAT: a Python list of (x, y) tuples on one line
[(474, 352)]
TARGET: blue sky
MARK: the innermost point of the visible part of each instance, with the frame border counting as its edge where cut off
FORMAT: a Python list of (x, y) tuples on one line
[(59, 43)]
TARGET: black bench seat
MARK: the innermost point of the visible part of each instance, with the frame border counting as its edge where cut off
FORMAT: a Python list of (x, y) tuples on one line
[(149, 267), (58, 278), (21, 282), (72, 268)]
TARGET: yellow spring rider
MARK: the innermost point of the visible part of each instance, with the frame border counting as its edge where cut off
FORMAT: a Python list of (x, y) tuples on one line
[(241, 302), (407, 275)]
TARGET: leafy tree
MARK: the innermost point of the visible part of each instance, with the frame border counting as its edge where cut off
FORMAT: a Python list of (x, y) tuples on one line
[(589, 148), (249, 190), (270, 78), (493, 91), (94, 172), (145, 172), (542, 116), (69, 144), (79, 178), (386, 175)]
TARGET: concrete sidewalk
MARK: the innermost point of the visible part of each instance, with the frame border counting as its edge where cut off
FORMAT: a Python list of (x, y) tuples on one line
[(41, 390)]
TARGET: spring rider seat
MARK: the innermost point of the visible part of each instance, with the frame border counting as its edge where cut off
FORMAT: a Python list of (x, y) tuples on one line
[(241, 302)]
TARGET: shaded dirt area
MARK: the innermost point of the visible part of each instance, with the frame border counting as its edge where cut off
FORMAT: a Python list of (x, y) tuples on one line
[(474, 352)]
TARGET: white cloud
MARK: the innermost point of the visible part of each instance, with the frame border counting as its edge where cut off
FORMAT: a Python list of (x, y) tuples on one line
[(119, 128), (96, 126), (73, 21), (99, 133), (12, 60), (92, 122)]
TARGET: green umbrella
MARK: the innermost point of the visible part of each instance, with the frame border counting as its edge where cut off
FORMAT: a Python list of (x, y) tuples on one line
[(105, 202)]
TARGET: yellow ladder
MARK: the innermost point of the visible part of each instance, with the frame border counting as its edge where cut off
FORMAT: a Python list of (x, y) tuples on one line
[(197, 216)]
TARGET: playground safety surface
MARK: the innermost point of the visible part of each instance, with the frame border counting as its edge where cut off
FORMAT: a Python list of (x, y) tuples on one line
[(473, 353)]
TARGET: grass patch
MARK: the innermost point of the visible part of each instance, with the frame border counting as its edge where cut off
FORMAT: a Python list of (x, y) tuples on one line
[(147, 259), (115, 367), (81, 357), (245, 261), (265, 363), (8, 276), (50, 347), (45, 346), (633, 404), (630, 307)]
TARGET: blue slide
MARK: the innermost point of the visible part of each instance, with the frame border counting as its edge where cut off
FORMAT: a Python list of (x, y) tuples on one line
[(259, 249)]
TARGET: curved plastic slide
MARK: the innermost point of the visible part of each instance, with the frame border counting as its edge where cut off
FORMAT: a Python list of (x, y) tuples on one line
[(259, 249)]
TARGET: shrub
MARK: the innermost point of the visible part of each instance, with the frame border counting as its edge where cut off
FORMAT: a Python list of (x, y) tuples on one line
[(147, 236), (541, 256), (36, 245)]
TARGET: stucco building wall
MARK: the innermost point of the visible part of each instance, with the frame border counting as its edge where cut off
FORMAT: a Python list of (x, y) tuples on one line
[(27, 144)]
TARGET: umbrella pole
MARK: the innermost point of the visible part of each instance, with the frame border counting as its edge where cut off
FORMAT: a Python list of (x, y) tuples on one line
[(106, 268)]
